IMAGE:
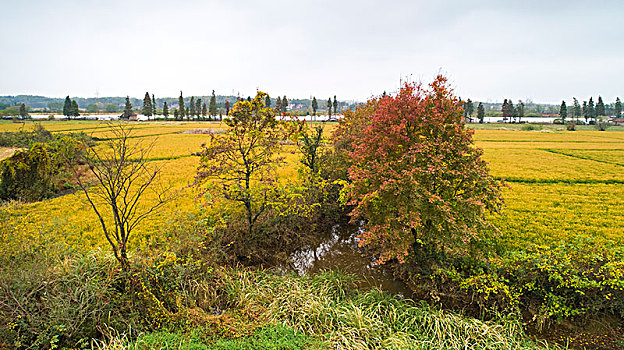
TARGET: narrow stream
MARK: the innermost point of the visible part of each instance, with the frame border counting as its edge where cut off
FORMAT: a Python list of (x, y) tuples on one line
[(340, 251)]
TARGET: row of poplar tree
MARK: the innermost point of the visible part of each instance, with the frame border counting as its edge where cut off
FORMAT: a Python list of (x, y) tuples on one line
[(588, 110), (196, 109), (199, 110)]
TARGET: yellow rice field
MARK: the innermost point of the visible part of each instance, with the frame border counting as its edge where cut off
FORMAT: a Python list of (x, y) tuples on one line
[(562, 185)]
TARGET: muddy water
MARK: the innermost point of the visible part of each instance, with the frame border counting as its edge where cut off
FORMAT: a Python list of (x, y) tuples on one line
[(340, 251)]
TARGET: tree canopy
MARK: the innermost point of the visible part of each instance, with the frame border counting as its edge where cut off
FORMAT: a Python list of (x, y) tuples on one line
[(241, 163), (416, 178)]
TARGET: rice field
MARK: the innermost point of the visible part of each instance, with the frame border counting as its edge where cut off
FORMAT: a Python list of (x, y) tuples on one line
[(561, 184), (560, 240)]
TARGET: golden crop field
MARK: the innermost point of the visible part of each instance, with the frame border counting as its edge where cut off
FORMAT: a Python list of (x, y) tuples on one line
[(561, 185)]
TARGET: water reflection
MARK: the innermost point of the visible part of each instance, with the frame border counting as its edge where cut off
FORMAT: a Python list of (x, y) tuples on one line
[(340, 251)]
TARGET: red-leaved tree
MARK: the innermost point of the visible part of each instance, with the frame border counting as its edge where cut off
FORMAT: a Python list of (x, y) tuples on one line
[(415, 176)]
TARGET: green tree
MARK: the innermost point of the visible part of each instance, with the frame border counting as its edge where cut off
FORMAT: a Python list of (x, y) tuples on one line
[(618, 108), (240, 165), (520, 110), (600, 107), (198, 107), (576, 109), (227, 106), (111, 108), (335, 105), (267, 101), (417, 197), (310, 145), (92, 108), (585, 111), (165, 110), (54, 107), (67, 107), (154, 106), (591, 110), (75, 111), (512, 111), (314, 106), (329, 108), (147, 106), (23, 112), (191, 109), (468, 109), (480, 113), (505, 109), (128, 110), (212, 107), (278, 105), (181, 111), (563, 111), (204, 111), (284, 104)]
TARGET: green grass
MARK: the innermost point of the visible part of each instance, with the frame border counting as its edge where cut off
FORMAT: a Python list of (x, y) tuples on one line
[(267, 311), (271, 337)]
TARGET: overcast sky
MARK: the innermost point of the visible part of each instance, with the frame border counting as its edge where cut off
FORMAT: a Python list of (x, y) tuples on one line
[(543, 50)]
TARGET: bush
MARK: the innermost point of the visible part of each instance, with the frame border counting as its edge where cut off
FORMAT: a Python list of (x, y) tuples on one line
[(47, 304), (530, 127), (27, 175), (42, 170), (602, 125), (571, 126), (575, 281), (298, 216)]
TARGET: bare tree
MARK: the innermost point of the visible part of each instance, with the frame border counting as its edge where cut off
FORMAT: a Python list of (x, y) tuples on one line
[(123, 176)]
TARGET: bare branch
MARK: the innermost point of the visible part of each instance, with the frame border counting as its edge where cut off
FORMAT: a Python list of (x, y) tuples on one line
[(122, 178)]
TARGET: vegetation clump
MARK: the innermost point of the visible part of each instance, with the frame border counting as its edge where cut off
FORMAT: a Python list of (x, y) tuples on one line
[(264, 217), (41, 168)]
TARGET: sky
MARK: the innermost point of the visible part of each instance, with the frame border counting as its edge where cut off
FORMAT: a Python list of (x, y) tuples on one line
[(544, 51)]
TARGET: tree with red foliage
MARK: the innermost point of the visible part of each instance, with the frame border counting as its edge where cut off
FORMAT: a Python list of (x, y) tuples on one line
[(416, 178)]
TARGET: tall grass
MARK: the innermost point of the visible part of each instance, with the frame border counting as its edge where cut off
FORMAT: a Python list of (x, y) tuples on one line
[(328, 308)]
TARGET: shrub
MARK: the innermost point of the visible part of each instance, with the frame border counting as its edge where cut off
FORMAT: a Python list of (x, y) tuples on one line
[(41, 170), (47, 304), (44, 305), (602, 125), (298, 216), (530, 127), (27, 175), (571, 126), (574, 281)]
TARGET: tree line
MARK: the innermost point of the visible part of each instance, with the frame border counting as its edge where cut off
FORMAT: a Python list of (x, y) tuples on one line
[(9, 105), (589, 111)]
